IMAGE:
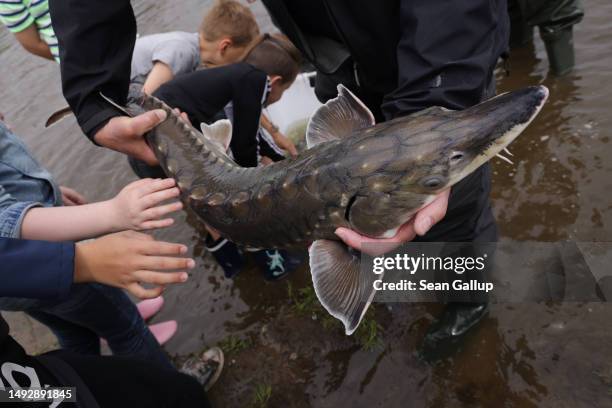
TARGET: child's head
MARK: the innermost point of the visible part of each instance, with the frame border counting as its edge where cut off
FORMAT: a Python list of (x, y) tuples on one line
[(227, 31), (277, 57)]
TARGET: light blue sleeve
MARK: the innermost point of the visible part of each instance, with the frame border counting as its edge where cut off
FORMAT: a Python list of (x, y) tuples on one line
[(12, 213)]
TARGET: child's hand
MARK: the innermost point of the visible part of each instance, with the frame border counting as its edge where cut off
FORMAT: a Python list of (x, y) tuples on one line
[(136, 206), (285, 143), (71, 197), (265, 161), (128, 259)]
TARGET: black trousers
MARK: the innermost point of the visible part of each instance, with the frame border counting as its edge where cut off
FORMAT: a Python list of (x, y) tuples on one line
[(118, 382)]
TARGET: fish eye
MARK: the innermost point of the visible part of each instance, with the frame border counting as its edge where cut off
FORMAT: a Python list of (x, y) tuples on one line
[(456, 156), (432, 182)]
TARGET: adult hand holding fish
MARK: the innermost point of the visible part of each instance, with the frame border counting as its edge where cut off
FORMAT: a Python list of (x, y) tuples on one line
[(126, 135), (422, 222)]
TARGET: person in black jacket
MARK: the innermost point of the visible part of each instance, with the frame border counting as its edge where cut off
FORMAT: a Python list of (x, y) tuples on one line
[(399, 57), (88, 71), (446, 51)]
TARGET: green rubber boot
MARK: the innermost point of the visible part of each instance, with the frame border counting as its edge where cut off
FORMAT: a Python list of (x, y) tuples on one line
[(560, 49)]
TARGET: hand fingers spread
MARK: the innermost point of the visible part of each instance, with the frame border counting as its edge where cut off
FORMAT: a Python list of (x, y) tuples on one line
[(157, 212), (138, 184), (142, 293), (149, 225), (161, 278), (166, 263), (156, 185), (153, 199)]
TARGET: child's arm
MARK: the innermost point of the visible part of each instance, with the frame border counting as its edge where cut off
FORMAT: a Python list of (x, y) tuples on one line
[(281, 140), (30, 40), (135, 207), (128, 259), (159, 75)]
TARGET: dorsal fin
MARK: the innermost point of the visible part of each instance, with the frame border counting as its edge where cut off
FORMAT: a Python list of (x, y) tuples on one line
[(338, 118), (220, 133)]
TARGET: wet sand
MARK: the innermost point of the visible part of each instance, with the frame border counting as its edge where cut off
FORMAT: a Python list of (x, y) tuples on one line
[(522, 355)]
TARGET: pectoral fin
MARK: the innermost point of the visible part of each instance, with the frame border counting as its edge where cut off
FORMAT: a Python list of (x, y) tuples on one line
[(338, 118), (343, 289), (58, 115), (220, 133)]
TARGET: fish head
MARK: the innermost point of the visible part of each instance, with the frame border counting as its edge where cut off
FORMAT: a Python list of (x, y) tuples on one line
[(442, 147)]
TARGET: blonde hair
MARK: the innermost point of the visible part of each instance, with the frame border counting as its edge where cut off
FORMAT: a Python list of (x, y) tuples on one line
[(228, 18), (275, 55)]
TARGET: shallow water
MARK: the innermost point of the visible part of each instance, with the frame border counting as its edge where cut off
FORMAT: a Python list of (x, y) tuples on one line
[(523, 355)]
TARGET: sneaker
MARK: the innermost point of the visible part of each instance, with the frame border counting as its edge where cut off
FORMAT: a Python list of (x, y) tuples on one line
[(150, 307), (206, 368), (276, 264), (227, 255)]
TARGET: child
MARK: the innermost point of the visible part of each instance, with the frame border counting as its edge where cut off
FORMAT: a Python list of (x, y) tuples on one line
[(30, 208), (267, 71), (39, 270), (226, 34), (30, 22)]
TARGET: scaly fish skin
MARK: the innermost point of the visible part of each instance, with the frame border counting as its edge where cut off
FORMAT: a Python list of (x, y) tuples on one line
[(371, 178)]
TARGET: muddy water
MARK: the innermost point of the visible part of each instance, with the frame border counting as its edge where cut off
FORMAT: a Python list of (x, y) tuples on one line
[(523, 355)]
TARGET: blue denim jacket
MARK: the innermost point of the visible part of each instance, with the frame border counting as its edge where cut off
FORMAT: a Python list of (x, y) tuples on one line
[(23, 184)]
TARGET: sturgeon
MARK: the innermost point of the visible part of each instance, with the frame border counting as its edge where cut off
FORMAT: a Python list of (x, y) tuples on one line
[(356, 174)]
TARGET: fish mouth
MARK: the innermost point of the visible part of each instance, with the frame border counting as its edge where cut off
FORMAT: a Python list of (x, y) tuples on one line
[(501, 120)]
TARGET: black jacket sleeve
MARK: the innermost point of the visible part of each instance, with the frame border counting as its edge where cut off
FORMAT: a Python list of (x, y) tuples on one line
[(96, 39), (247, 113), (35, 269), (203, 94), (446, 53)]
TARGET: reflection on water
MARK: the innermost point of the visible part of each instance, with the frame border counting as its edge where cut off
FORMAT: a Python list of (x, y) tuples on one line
[(523, 355)]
